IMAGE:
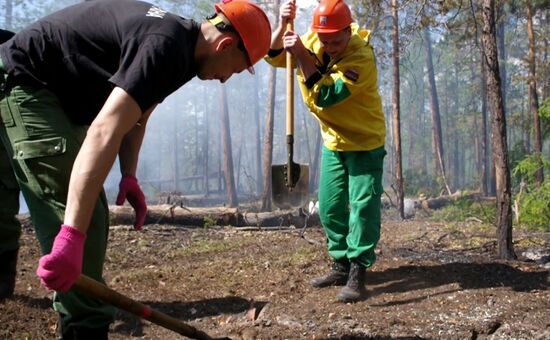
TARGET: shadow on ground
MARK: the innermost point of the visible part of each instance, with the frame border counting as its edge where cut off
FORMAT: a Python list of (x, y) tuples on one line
[(467, 275), (183, 311)]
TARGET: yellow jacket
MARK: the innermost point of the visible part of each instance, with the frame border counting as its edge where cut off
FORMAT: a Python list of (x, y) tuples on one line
[(345, 100)]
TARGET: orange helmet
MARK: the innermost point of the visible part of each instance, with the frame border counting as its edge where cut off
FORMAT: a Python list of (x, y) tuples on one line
[(250, 21), (331, 16)]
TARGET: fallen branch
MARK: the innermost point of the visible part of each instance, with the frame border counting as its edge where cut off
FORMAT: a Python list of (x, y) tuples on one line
[(475, 219)]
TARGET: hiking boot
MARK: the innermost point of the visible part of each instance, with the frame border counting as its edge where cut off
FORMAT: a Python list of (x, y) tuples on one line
[(81, 333), (8, 264), (336, 277), (355, 287)]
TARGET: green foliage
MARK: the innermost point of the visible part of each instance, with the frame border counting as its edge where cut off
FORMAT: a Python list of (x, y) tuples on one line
[(527, 168), (208, 222), (417, 181), (462, 210), (533, 200), (535, 208), (517, 153), (544, 110), (544, 115)]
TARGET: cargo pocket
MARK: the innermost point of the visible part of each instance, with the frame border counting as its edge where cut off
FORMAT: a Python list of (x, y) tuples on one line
[(39, 148), (5, 112), (46, 166)]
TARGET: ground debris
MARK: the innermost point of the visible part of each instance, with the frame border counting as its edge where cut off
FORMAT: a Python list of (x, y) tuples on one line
[(430, 281)]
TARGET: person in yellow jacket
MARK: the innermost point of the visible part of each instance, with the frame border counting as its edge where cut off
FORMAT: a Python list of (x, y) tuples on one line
[(337, 75)]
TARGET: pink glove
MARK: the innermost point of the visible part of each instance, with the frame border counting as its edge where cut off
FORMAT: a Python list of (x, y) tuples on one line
[(59, 269), (129, 189)]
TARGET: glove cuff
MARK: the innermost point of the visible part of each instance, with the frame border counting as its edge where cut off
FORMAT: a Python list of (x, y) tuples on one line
[(71, 234), (130, 177)]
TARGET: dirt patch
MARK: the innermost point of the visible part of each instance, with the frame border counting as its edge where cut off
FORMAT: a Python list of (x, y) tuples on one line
[(431, 281)]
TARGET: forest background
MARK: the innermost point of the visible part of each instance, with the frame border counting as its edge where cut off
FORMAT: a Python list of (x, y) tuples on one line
[(214, 140)]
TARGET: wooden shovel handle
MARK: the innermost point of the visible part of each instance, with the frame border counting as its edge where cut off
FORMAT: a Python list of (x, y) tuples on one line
[(289, 87), (98, 290)]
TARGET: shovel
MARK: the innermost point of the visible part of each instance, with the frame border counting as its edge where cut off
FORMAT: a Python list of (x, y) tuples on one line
[(98, 290), (290, 181)]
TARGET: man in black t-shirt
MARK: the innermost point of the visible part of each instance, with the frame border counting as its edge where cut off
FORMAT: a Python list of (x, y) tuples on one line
[(76, 89), (11, 226)]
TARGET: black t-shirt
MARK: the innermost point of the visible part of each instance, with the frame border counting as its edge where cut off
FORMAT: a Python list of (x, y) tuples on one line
[(5, 35), (81, 52)]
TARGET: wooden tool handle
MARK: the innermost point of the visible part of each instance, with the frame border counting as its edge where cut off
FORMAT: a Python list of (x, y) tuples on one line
[(289, 87), (98, 290)]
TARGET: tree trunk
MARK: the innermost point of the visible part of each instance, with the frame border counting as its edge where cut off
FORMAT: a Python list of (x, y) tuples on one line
[(533, 97), (396, 110), (306, 132), (8, 18), (257, 138), (227, 153), (437, 138), (391, 148), (206, 143), (546, 80), (314, 170), (502, 55), (486, 174), (177, 148), (476, 133), (485, 177), (500, 147), (268, 141), (268, 128), (454, 136)]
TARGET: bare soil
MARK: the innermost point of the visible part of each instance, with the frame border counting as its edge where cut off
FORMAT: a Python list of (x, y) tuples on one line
[(431, 281)]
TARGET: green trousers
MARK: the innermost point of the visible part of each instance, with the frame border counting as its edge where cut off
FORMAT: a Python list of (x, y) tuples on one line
[(38, 149), (350, 189)]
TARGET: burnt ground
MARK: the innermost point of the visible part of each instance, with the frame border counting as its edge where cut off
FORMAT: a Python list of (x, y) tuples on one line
[(431, 281)]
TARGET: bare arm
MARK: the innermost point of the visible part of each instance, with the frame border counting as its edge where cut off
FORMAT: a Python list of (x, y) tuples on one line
[(131, 144), (119, 115), (287, 12), (289, 40), (305, 61)]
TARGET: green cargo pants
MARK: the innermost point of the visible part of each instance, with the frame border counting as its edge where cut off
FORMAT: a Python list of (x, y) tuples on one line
[(41, 144), (350, 189), (10, 228)]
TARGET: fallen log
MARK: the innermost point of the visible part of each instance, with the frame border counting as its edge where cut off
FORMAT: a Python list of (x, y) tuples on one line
[(441, 201), (217, 216)]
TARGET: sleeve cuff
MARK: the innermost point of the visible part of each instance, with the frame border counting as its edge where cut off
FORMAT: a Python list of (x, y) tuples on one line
[(314, 78), (273, 53)]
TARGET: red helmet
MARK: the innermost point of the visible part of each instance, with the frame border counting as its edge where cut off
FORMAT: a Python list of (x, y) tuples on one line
[(250, 21), (331, 16)]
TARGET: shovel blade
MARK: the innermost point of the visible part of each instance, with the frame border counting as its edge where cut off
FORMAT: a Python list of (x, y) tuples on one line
[(285, 197)]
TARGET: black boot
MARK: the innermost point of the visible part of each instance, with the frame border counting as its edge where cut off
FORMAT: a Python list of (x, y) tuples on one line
[(355, 287), (80, 333), (336, 277), (101, 333), (8, 265)]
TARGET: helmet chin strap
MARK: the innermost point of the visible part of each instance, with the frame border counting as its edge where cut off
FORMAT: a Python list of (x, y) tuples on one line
[(222, 26), (218, 22)]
